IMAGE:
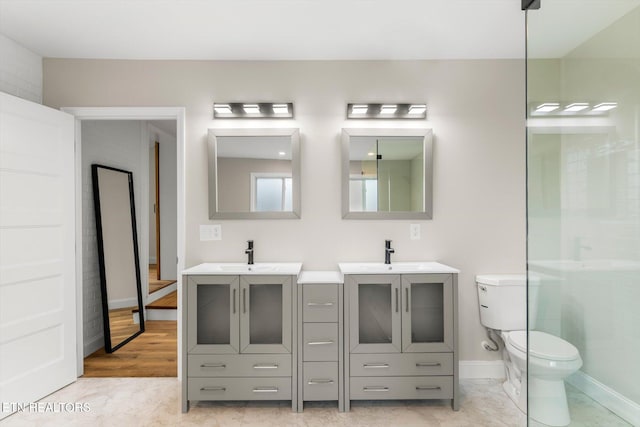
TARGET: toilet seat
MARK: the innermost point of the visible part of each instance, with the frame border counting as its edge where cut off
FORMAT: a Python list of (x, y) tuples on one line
[(543, 345)]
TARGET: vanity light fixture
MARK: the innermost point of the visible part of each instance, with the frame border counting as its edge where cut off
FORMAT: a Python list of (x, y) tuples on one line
[(417, 109), (357, 109), (547, 107), (576, 107), (605, 106), (386, 111), (253, 110)]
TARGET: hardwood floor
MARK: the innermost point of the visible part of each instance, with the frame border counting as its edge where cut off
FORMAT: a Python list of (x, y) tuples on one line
[(151, 354), (154, 283), (169, 301)]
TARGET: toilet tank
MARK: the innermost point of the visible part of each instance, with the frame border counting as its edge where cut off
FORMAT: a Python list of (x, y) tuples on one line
[(503, 301)]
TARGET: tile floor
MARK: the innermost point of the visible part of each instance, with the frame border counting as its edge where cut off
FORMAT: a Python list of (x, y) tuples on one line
[(130, 402)]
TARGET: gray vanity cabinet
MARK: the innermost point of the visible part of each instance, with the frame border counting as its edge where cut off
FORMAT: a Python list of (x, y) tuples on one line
[(239, 338), (401, 335), (320, 338)]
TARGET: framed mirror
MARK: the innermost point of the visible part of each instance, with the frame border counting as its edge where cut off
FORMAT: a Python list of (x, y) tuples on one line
[(254, 173), (387, 173), (118, 256)]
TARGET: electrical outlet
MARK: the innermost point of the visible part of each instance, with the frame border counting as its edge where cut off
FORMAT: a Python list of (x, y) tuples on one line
[(414, 231), (210, 232)]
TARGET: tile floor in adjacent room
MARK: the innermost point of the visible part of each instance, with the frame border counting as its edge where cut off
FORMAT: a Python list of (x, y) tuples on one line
[(156, 402)]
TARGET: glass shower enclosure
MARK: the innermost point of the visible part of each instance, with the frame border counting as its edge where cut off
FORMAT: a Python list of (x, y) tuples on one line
[(583, 202)]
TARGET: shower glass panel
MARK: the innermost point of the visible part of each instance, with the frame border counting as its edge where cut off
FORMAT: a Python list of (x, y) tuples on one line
[(583, 207)]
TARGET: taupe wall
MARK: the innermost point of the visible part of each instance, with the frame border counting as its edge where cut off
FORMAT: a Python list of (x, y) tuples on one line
[(476, 110)]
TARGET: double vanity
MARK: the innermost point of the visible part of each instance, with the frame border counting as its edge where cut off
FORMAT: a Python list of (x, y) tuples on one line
[(270, 331)]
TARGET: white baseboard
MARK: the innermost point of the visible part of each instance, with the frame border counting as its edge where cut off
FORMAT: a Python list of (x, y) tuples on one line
[(476, 369), (123, 303), (607, 397), (161, 314), (93, 344)]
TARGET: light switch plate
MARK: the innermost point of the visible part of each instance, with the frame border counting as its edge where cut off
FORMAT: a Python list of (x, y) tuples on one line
[(210, 232), (414, 231)]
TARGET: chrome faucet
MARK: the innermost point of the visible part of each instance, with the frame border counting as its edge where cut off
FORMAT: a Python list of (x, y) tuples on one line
[(388, 251), (249, 252)]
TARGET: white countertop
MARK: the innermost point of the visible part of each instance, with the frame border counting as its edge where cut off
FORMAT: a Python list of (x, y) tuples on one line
[(320, 277), (234, 268), (395, 268)]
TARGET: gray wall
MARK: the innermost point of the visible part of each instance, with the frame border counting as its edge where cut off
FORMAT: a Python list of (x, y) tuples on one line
[(476, 110)]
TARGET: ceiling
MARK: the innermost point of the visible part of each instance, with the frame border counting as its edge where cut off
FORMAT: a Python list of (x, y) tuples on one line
[(295, 29)]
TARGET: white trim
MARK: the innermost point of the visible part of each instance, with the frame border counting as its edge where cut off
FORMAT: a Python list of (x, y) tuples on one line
[(162, 292), (607, 397), (92, 345), (488, 369), (160, 314), (123, 303), (130, 113)]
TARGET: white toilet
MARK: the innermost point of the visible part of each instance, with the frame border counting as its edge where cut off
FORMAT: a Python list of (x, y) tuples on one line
[(503, 307)]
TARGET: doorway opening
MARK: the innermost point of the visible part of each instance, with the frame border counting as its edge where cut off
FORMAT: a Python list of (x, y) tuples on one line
[(127, 135)]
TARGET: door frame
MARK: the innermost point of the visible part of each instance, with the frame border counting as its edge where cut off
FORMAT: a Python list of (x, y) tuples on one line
[(128, 113)]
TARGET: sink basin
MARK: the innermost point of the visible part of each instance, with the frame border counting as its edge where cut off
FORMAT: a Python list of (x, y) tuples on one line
[(284, 268), (395, 268)]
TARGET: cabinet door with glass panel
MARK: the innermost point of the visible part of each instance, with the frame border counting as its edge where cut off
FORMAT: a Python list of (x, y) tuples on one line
[(213, 318), (374, 311), (427, 313), (265, 314)]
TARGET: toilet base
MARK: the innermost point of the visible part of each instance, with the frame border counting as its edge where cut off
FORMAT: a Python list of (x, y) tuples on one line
[(517, 393), (548, 402)]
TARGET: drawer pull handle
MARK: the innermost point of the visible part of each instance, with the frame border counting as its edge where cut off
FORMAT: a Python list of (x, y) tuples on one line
[(265, 366), (376, 389), (213, 365), (213, 389), (428, 388), (320, 343), (376, 365), (319, 304), (265, 390), (427, 364), (313, 381)]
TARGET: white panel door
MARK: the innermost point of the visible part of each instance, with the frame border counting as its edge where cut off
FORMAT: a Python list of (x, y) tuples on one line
[(37, 254)]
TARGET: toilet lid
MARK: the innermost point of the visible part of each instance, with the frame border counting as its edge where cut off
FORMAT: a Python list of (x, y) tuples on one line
[(543, 345)]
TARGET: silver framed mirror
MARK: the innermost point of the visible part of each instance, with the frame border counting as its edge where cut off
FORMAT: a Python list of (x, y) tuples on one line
[(118, 257), (254, 173), (387, 174)]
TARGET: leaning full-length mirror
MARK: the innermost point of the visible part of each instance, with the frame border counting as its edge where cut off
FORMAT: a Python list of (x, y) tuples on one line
[(387, 173), (254, 173), (118, 256)]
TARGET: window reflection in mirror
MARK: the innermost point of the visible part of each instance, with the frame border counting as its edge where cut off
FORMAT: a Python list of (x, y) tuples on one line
[(254, 173), (388, 173)]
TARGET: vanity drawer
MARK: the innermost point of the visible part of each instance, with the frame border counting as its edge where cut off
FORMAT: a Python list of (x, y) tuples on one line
[(239, 365), (320, 341), (370, 365), (239, 389), (382, 388), (320, 303), (320, 381)]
